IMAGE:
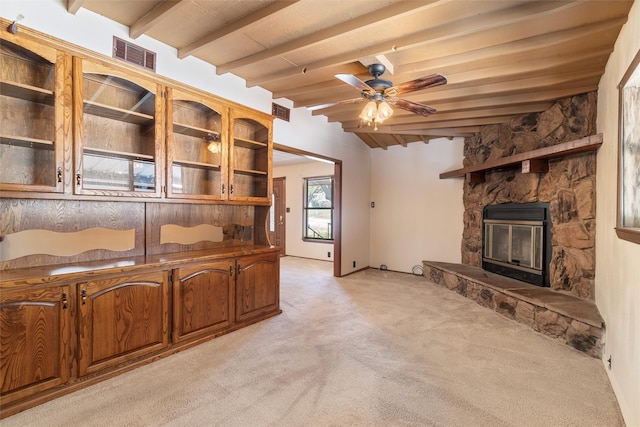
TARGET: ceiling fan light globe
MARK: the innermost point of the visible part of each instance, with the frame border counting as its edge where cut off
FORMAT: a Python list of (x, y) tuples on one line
[(384, 112), (369, 111)]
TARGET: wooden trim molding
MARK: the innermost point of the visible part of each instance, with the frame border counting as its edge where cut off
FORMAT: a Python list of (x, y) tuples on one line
[(628, 176)]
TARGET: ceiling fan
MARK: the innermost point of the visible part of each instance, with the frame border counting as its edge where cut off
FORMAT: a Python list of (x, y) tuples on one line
[(381, 92)]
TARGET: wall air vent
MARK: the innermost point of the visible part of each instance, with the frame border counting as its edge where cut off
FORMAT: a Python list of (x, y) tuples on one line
[(280, 112), (133, 54)]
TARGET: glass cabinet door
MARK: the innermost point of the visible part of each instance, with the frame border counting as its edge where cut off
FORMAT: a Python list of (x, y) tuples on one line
[(250, 157), (32, 111), (196, 147), (119, 143)]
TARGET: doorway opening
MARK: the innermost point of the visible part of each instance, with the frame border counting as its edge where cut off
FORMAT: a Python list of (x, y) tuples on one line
[(284, 156)]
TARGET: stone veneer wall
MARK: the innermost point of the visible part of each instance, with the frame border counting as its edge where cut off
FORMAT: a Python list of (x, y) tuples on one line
[(568, 187)]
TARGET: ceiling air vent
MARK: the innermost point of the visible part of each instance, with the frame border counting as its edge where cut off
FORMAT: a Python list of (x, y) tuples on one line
[(133, 54), (280, 112)]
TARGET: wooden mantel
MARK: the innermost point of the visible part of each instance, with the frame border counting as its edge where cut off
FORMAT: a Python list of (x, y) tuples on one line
[(530, 162)]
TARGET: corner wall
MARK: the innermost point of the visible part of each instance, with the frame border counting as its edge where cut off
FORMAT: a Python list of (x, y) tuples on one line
[(617, 261), (417, 216)]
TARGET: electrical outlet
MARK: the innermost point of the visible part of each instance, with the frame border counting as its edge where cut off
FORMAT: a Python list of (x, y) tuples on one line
[(373, 204)]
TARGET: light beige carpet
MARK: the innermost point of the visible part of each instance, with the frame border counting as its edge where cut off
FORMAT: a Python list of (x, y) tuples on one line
[(370, 349)]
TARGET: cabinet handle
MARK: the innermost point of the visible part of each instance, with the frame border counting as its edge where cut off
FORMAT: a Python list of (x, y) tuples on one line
[(78, 178), (59, 174), (64, 300), (84, 296), (239, 270), (230, 271), (231, 189), (222, 188)]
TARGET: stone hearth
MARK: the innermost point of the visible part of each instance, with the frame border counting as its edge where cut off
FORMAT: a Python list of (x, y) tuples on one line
[(568, 187), (566, 318)]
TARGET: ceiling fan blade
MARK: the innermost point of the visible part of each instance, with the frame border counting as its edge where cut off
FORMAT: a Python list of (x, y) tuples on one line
[(417, 84), (415, 107), (332, 104), (352, 80)]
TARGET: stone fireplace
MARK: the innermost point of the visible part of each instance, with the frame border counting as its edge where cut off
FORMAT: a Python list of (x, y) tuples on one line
[(568, 188)]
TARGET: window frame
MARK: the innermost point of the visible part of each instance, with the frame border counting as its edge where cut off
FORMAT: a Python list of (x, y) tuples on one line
[(305, 208)]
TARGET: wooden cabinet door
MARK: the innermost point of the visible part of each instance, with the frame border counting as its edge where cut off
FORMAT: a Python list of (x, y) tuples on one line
[(34, 341), (250, 156), (118, 131), (202, 299), (257, 285), (121, 319), (34, 110), (197, 146)]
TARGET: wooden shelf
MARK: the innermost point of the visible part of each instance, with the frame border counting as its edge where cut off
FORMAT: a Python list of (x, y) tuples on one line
[(530, 162), (119, 154), (195, 131), (116, 113), (248, 143), (249, 172), (26, 92), (199, 165), (22, 141)]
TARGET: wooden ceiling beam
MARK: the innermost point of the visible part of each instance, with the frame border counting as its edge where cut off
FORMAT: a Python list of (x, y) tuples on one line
[(409, 118), (241, 23), (513, 74), (155, 16), (356, 24), (462, 50), (74, 5), (436, 133), (469, 22)]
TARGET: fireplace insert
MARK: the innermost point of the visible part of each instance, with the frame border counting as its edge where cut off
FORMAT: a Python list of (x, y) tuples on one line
[(517, 241)]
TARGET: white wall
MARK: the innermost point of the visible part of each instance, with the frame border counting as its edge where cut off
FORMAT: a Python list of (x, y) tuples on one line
[(617, 261), (295, 175), (304, 131), (417, 216), (314, 134)]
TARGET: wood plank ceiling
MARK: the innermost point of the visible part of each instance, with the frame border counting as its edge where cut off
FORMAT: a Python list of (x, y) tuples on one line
[(501, 58)]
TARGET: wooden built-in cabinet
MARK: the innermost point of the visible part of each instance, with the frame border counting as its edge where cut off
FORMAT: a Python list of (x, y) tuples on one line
[(60, 337), (33, 109), (81, 133)]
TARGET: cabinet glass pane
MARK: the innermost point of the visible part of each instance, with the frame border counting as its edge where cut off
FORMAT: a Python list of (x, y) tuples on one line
[(196, 145), (104, 173), (250, 159), (27, 119), (119, 135)]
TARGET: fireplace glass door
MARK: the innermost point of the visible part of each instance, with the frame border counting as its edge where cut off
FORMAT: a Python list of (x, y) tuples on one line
[(517, 244)]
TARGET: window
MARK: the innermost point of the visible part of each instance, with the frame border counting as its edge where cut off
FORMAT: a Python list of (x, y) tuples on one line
[(318, 209)]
